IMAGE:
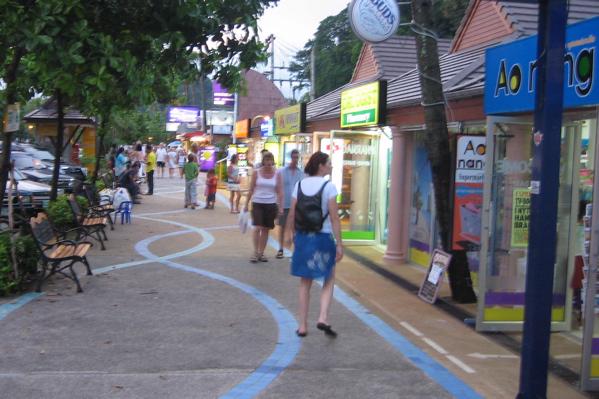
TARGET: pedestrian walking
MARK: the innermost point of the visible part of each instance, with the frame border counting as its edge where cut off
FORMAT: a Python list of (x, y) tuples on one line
[(233, 180), (181, 157), (265, 195), (288, 178), (161, 159), (172, 161), (211, 183), (150, 167), (191, 176), (313, 218)]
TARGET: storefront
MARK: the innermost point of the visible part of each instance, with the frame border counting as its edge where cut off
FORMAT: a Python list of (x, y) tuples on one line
[(509, 102), (290, 127), (361, 155)]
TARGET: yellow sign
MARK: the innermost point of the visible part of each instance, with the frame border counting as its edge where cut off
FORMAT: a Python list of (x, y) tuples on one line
[(242, 129), (363, 105), (520, 216), (290, 120)]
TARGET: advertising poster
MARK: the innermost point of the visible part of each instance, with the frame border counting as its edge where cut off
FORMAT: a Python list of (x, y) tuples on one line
[(207, 158), (421, 213), (520, 217), (242, 153), (468, 193)]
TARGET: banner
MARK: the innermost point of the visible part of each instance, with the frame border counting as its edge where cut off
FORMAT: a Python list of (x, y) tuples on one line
[(520, 217)]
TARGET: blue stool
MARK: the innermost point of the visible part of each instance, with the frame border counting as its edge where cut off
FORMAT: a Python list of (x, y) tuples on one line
[(125, 209)]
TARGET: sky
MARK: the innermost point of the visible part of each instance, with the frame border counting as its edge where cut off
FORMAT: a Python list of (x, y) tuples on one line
[(293, 23)]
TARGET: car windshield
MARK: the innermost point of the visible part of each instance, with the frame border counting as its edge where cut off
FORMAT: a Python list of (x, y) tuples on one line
[(18, 175)]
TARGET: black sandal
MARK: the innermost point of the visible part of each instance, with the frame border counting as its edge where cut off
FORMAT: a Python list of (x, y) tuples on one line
[(300, 334), (280, 254), (327, 330)]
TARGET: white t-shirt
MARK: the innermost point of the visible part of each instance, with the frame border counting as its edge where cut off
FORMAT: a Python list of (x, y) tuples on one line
[(160, 155), (310, 186)]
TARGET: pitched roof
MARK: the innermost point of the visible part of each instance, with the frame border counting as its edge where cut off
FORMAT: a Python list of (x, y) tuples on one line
[(397, 55), (524, 16), (48, 113), (393, 57)]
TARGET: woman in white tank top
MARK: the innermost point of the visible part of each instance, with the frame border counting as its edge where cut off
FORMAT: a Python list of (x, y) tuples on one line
[(266, 194)]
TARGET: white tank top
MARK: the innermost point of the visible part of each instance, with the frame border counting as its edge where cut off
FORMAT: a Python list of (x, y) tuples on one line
[(265, 190)]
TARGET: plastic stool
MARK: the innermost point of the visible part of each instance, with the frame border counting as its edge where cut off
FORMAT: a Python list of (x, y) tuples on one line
[(125, 209)]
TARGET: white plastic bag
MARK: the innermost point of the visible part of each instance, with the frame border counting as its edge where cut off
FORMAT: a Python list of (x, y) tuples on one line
[(121, 195), (244, 221)]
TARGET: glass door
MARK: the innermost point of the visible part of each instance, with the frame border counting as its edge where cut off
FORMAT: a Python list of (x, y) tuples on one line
[(505, 222)]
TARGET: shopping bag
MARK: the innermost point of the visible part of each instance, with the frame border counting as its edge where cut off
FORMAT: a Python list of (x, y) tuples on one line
[(244, 221), (121, 195)]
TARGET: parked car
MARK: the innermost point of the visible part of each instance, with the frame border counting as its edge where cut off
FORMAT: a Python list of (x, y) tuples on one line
[(33, 195), (76, 171), (35, 170)]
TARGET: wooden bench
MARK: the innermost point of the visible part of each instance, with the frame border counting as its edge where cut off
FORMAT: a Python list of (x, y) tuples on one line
[(57, 254), (101, 205), (92, 224)]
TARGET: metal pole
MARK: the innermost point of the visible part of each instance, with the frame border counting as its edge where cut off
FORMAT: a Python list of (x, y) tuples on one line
[(272, 59), (235, 111), (544, 198)]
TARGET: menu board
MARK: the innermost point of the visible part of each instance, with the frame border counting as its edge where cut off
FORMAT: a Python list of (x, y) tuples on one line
[(429, 289)]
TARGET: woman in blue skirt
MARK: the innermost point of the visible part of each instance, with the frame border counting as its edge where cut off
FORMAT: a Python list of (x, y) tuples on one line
[(317, 239)]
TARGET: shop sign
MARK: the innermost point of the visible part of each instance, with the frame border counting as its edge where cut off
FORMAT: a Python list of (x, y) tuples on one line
[(242, 129), (364, 105), (221, 96), (468, 192), (374, 20), (266, 128), (511, 71), (186, 114), (290, 120), (520, 217), (12, 118)]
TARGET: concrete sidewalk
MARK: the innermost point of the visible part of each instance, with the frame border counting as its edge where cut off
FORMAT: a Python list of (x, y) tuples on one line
[(176, 310)]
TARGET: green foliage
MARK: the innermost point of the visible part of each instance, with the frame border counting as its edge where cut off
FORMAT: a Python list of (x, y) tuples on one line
[(27, 257), (60, 213), (337, 48)]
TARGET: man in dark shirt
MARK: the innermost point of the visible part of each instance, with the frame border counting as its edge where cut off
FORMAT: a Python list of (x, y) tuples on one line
[(127, 180)]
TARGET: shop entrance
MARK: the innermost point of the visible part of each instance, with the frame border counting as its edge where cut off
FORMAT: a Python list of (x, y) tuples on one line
[(355, 175), (505, 222)]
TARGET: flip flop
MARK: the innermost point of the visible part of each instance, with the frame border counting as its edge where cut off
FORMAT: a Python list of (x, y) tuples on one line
[(279, 254), (300, 334), (327, 330)]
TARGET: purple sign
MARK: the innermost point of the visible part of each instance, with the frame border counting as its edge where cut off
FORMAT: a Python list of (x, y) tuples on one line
[(182, 114), (207, 158), (221, 96)]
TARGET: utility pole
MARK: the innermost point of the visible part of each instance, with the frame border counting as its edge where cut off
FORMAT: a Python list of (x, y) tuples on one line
[(313, 72), (272, 58), (437, 145), (544, 196)]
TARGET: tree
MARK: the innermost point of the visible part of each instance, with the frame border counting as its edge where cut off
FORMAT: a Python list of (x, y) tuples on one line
[(337, 49), (437, 145), (100, 55)]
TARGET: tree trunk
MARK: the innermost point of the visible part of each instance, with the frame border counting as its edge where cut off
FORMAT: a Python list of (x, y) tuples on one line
[(57, 144), (100, 148), (437, 145), (11, 97)]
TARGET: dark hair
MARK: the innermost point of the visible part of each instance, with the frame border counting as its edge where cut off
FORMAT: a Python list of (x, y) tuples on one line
[(138, 147), (263, 151), (191, 157), (268, 156), (148, 147), (136, 164), (234, 158), (120, 150), (294, 151), (317, 159)]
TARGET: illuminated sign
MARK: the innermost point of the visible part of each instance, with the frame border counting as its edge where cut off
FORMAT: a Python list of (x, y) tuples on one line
[(364, 105), (221, 96), (182, 114), (511, 71), (291, 120), (242, 129), (266, 128)]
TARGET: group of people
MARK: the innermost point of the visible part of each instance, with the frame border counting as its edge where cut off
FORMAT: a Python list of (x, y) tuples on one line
[(304, 202)]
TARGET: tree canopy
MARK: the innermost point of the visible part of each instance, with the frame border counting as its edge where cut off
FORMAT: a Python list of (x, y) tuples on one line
[(337, 49)]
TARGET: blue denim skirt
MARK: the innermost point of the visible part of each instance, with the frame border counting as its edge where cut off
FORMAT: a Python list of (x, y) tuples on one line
[(313, 255)]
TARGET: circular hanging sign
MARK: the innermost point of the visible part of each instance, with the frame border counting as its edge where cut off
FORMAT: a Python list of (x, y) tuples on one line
[(374, 20)]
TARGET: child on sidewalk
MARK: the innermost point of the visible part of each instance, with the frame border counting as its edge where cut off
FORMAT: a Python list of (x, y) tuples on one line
[(190, 170), (211, 182)]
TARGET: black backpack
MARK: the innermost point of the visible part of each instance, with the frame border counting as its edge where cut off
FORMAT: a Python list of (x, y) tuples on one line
[(308, 211)]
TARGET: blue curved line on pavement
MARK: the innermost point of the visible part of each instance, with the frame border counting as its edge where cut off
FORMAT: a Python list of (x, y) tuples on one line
[(14, 305), (288, 344), (433, 369)]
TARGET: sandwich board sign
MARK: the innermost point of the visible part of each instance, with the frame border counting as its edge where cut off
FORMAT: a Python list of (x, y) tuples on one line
[(429, 289)]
